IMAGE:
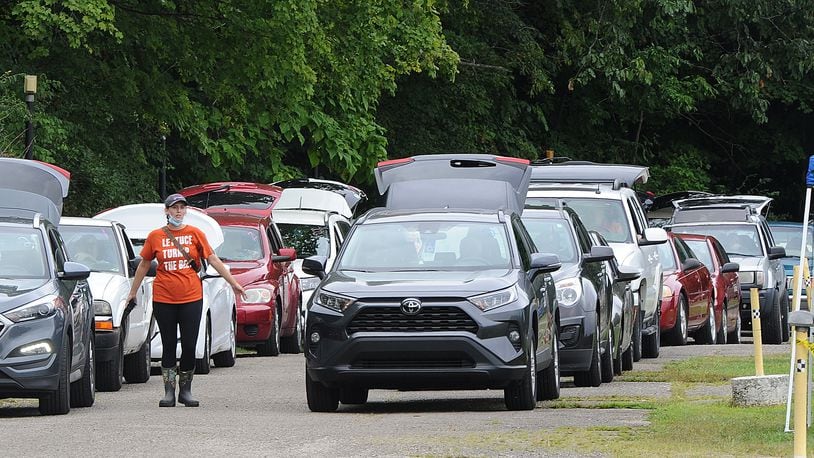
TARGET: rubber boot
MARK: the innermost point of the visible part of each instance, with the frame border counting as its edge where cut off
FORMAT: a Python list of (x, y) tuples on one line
[(185, 391), (168, 374)]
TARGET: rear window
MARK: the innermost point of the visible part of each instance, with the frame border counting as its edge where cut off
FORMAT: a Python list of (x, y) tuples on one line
[(231, 199)]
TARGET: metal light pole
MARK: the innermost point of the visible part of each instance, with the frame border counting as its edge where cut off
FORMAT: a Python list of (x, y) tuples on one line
[(30, 87)]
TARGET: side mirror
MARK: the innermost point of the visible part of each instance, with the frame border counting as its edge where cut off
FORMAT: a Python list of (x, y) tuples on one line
[(74, 271), (730, 267), (315, 265), (777, 252), (691, 264), (286, 254), (653, 236), (544, 262), (599, 253), (623, 276)]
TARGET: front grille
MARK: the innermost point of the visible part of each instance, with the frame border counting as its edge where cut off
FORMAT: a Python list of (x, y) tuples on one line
[(429, 319), (412, 363)]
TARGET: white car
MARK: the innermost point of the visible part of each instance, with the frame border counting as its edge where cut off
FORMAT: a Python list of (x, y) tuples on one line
[(122, 342), (216, 336), (315, 222), (603, 197)]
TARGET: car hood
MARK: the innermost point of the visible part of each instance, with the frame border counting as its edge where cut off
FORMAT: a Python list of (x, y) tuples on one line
[(105, 285), (749, 263), (379, 284), (247, 272), (16, 292), (565, 271)]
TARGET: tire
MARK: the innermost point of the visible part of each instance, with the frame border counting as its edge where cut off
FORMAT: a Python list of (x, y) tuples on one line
[(785, 330), (617, 359), (522, 394), (651, 345), (110, 373), (593, 376), (58, 402), (636, 337), (548, 380), (83, 391), (723, 331), (353, 395), (137, 365), (226, 358), (204, 364), (293, 344), (607, 358), (772, 324), (271, 347), (678, 334), (627, 358), (735, 336), (320, 397), (708, 334)]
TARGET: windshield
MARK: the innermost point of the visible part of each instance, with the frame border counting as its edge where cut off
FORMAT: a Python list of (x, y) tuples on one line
[(309, 240), (232, 199), (737, 239), (606, 216), (240, 244), (552, 236), (790, 238), (428, 245), (22, 253), (701, 251), (93, 246)]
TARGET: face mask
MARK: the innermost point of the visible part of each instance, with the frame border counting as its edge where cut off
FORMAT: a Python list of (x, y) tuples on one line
[(175, 222)]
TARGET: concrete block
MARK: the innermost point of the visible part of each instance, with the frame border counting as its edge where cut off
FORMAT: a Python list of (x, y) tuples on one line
[(765, 390)]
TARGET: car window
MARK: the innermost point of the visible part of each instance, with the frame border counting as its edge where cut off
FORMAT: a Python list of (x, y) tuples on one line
[(93, 246), (128, 246), (791, 238), (523, 250), (552, 235), (666, 256), (240, 244), (231, 199), (583, 238), (22, 253), (307, 239), (423, 245), (737, 239), (683, 251), (606, 216), (719, 249), (638, 218), (701, 251)]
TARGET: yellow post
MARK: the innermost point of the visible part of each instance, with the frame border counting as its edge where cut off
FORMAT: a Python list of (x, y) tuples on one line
[(756, 335), (800, 392), (795, 289)]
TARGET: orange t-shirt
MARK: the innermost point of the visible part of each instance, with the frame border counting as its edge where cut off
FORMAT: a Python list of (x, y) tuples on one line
[(176, 282)]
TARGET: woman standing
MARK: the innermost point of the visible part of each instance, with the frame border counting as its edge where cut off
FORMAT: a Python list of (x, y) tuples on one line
[(178, 294)]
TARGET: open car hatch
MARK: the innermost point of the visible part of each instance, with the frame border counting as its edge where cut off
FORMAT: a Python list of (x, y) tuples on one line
[(313, 199), (590, 173), (759, 204), (33, 186), (140, 219)]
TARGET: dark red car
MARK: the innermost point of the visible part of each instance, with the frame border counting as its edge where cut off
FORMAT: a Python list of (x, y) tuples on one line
[(233, 196), (686, 298), (726, 284), (267, 316)]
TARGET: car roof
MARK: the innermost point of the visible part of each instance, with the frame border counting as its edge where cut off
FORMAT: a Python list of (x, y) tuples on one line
[(552, 213), (590, 173), (79, 221), (378, 215)]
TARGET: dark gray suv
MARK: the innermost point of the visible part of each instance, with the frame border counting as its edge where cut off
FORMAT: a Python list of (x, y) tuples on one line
[(46, 314), (441, 290)]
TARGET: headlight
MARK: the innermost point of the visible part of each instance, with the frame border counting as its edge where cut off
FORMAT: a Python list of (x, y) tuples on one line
[(569, 291), (309, 283), (257, 296), (101, 307), (752, 277), (666, 292), (42, 308), (333, 301), (495, 299)]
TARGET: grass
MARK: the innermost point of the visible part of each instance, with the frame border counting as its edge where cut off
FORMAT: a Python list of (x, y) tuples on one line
[(710, 369)]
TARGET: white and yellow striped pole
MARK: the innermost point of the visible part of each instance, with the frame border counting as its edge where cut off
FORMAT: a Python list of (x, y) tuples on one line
[(757, 337), (802, 321)]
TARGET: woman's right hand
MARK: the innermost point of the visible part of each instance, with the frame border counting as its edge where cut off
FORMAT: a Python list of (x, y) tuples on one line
[(130, 297)]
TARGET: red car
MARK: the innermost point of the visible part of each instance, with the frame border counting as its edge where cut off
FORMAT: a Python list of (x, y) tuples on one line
[(268, 314), (686, 298), (233, 196), (726, 284)]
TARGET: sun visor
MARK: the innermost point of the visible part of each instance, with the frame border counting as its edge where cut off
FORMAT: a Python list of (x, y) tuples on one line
[(592, 173), (455, 181), (312, 199), (141, 219), (15, 202), (35, 177)]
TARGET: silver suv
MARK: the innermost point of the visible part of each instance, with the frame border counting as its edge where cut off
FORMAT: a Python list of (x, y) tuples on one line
[(738, 222)]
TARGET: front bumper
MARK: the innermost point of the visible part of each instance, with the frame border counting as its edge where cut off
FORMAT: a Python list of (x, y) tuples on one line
[(34, 375), (107, 345), (254, 322), (669, 312), (577, 339)]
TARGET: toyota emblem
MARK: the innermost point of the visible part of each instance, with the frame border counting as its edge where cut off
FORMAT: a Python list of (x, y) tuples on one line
[(410, 306)]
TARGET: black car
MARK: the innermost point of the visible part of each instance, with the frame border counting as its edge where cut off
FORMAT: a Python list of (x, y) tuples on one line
[(438, 291), (46, 308), (590, 345)]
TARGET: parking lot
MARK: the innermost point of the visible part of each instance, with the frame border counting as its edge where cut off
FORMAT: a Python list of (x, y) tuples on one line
[(259, 408)]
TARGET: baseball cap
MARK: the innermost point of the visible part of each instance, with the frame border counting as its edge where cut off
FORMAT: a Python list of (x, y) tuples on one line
[(173, 199)]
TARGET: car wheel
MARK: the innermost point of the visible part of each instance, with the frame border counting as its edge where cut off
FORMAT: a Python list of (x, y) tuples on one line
[(617, 358), (772, 324), (593, 376), (607, 358), (651, 344), (677, 335), (627, 358), (137, 365), (353, 395), (110, 373), (204, 365), (723, 331), (548, 380), (59, 402), (784, 309), (522, 394), (226, 358), (320, 397), (271, 347), (83, 391), (708, 334), (636, 338), (735, 335)]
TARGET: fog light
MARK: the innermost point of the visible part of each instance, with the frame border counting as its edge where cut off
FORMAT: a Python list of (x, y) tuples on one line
[(514, 336), (315, 337), (39, 348)]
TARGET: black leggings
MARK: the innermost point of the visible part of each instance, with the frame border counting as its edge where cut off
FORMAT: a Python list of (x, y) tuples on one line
[(171, 318)]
